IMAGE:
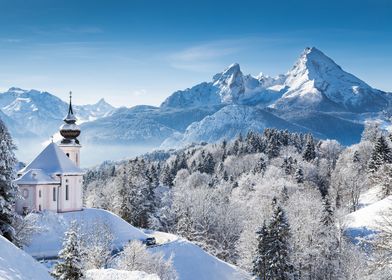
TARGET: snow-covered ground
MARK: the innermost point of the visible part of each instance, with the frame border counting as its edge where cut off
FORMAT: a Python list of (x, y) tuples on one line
[(113, 274), (189, 260), (48, 242), (16, 264), (369, 217), (193, 263)]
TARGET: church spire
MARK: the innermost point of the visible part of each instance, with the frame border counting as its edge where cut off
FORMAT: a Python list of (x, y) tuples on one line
[(70, 131), (70, 118)]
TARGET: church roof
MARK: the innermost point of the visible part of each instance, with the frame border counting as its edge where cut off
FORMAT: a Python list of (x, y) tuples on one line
[(52, 160), (36, 176)]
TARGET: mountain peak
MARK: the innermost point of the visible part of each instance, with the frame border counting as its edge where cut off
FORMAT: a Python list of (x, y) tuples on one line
[(16, 90), (233, 70)]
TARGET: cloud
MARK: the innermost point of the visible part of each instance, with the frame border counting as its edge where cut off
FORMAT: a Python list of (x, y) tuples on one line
[(210, 55), (11, 40)]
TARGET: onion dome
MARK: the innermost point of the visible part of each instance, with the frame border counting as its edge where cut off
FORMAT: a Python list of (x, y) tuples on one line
[(70, 130)]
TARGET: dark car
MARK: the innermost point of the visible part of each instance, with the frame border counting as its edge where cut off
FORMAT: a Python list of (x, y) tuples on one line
[(150, 241)]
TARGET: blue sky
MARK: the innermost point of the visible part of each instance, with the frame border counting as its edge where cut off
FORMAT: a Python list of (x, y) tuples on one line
[(140, 51)]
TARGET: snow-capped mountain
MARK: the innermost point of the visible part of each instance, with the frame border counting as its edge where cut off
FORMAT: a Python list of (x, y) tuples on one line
[(41, 113), (316, 95), (228, 87), (317, 82)]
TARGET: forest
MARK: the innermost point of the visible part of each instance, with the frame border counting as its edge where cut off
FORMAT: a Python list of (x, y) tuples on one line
[(273, 203)]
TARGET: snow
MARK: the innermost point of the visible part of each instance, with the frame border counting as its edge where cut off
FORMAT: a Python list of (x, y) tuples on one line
[(192, 263), (52, 160), (48, 243), (113, 274), (16, 264), (36, 176), (316, 78), (370, 216)]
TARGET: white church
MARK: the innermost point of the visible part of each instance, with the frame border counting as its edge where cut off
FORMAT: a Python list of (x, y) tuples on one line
[(53, 180)]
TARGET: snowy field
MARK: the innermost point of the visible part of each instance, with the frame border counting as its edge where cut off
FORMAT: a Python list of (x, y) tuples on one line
[(16, 264), (113, 274)]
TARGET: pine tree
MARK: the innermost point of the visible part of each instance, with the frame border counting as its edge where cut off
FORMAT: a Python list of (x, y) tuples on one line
[(70, 267), (279, 266), (299, 175), (260, 166), (260, 262), (309, 153), (381, 154), (8, 189)]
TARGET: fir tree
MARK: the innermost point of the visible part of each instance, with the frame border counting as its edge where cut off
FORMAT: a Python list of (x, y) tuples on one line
[(260, 262), (309, 153), (260, 166), (279, 266), (69, 268), (8, 189), (299, 175), (381, 154)]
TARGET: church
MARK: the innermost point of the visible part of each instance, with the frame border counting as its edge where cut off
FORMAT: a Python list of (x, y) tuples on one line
[(53, 180)]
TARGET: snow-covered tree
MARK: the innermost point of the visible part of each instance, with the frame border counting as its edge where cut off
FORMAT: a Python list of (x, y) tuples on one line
[(96, 245), (278, 262), (310, 151), (8, 189), (136, 257), (381, 154), (70, 265), (260, 263)]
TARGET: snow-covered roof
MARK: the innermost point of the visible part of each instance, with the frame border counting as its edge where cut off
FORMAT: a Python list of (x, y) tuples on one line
[(36, 176), (52, 160)]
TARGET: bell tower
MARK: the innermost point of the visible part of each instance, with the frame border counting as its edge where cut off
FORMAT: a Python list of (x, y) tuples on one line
[(70, 131)]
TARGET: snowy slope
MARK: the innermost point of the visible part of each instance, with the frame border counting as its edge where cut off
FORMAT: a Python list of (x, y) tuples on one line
[(192, 263), (370, 216), (48, 242), (227, 123), (16, 264), (114, 274)]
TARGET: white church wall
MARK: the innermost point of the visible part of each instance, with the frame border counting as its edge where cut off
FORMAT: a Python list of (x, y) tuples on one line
[(75, 195), (73, 152), (28, 200)]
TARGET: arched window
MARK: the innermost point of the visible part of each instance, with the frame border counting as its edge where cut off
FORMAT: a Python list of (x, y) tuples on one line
[(39, 193), (67, 154), (54, 193), (39, 208), (25, 193), (66, 192)]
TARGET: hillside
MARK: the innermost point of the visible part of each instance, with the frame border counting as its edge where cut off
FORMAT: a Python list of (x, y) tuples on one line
[(16, 264)]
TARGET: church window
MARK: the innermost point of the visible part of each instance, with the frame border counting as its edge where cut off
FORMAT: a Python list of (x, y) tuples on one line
[(66, 192), (25, 193), (39, 193), (39, 207), (67, 154), (54, 194)]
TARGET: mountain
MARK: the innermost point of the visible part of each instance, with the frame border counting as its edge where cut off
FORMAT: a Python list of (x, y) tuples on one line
[(315, 95), (317, 82), (227, 123), (228, 87), (41, 113), (145, 125)]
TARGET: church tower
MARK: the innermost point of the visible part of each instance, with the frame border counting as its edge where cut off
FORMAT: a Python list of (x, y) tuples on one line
[(70, 131)]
